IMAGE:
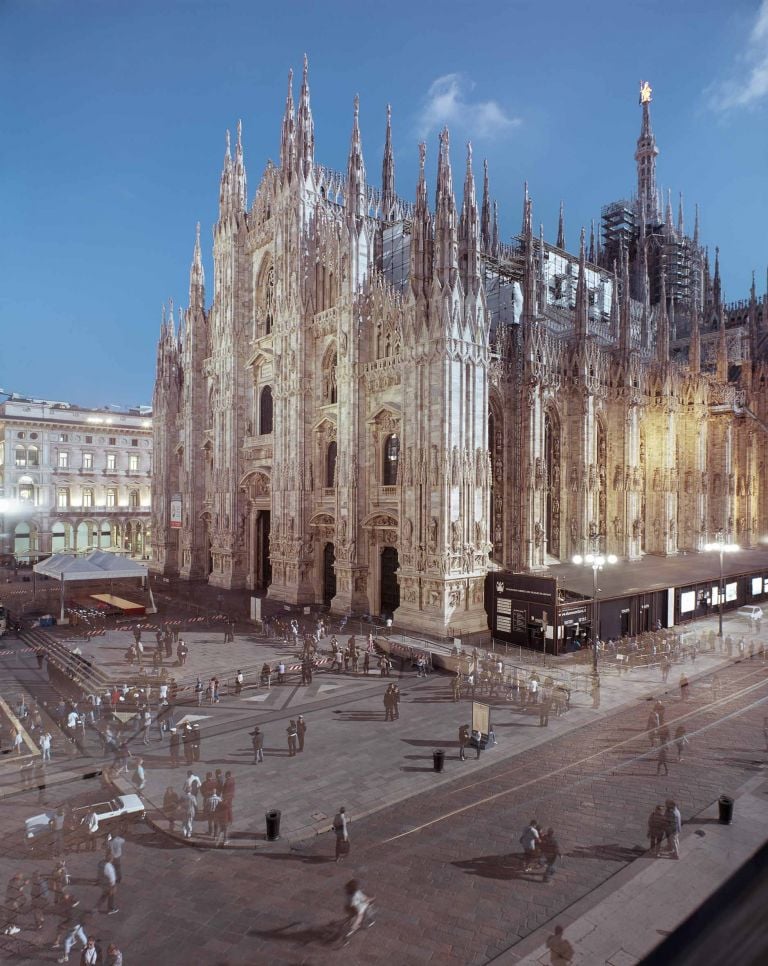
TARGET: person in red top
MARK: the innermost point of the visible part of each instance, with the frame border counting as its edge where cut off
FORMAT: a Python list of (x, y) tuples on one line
[(228, 788), (223, 820)]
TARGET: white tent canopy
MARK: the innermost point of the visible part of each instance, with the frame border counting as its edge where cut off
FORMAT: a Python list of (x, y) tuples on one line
[(95, 565)]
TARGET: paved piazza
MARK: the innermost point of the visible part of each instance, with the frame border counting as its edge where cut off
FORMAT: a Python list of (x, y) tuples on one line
[(440, 852)]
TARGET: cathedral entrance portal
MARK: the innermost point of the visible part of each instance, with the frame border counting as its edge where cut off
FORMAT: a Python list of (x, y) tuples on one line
[(329, 573), (390, 589), (263, 563)]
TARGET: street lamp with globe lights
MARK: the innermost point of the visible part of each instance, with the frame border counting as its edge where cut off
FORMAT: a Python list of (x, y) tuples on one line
[(720, 547), (596, 561)]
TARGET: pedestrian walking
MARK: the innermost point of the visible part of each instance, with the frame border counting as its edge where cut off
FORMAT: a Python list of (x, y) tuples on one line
[(174, 748), (301, 730), (463, 741), (661, 760), (199, 691), (115, 848), (550, 852), (210, 805), (114, 956), (530, 840), (674, 824), (18, 741), (544, 707), (91, 955), (45, 745), (456, 686), (171, 802), (292, 736), (146, 721), (560, 950), (223, 821), (281, 673), (396, 700), (139, 777), (681, 741), (684, 686), (70, 927), (91, 826), (341, 823), (238, 682), (366, 663), (181, 653), (257, 742), (657, 826), (108, 886), (197, 740), (477, 740), (190, 811), (389, 705), (358, 908)]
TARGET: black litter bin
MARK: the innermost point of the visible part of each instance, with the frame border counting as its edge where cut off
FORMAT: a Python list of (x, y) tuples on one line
[(725, 810), (438, 759), (273, 825)]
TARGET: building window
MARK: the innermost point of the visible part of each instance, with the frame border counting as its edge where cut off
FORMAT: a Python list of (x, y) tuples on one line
[(26, 493), (63, 437), (21, 456), (134, 442), (391, 459), (265, 410), (88, 497), (63, 463), (87, 460), (111, 497), (112, 440), (133, 463), (330, 464), (62, 497), (133, 500), (21, 435), (89, 439), (33, 456), (111, 462)]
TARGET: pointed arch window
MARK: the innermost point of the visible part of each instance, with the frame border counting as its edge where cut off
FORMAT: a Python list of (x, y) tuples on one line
[(391, 459), (330, 464), (265, 411)]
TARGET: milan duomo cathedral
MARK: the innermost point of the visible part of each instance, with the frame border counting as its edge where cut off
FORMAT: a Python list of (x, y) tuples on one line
[(384, 401)]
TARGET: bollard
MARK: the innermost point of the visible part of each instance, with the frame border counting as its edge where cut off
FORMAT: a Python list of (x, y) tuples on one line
[(725, 810), (273, 825), (438, 759)]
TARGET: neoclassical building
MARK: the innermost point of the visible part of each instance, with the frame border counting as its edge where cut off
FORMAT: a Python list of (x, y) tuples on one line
[(73, 479), (382, 400)]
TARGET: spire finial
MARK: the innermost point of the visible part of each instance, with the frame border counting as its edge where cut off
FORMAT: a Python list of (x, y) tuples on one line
[(485, 212), (228, 153), (561, 227), (388, 172)]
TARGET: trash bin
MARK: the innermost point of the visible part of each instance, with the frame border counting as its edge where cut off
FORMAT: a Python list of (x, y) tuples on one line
[(438, 759), (273, 825), (725, 809)]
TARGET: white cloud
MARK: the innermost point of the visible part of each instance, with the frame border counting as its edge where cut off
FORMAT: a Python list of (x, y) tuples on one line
[(448, 102), (750, 84)]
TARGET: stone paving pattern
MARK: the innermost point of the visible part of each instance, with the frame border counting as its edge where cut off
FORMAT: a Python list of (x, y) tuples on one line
[(441, 853)]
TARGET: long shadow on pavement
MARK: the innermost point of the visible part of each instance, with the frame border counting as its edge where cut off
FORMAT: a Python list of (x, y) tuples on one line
[(326, 934), (610, 852), (508, 866)]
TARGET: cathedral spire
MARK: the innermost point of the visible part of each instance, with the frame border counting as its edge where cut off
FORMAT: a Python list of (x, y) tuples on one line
[(529, 275), (288, 132), (680, 216), (717, 295), (527, 226), (645, 156), (355, 200), (445, 216), (388, 173), (591, 257), (646, 287), (495, 231), (668, 221), (485, 217), (722, 346), (625, 317), (421, 234), (305, 128), (239, 180), (469, 232), (541, 294), (197, 276), (225, 184), (614, 316), (561, 227), (696, 226), (662, 326), (582, 301)]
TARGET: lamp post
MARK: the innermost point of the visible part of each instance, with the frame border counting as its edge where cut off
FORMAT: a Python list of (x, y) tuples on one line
[(596, 561), (720, 547)]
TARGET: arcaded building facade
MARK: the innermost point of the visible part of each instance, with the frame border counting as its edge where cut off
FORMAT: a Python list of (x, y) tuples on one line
[(382, 400)]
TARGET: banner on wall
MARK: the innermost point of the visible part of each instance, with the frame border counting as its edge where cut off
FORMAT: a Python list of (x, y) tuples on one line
[(176, 511)]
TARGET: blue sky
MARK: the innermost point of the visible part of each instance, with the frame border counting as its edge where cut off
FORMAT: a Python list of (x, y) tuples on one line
[(114, 118)]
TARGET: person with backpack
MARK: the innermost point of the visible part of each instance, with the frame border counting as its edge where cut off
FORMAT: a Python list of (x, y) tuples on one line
[(341, 830)]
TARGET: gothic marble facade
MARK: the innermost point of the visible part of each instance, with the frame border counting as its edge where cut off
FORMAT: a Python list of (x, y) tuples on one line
[(382, 400)]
